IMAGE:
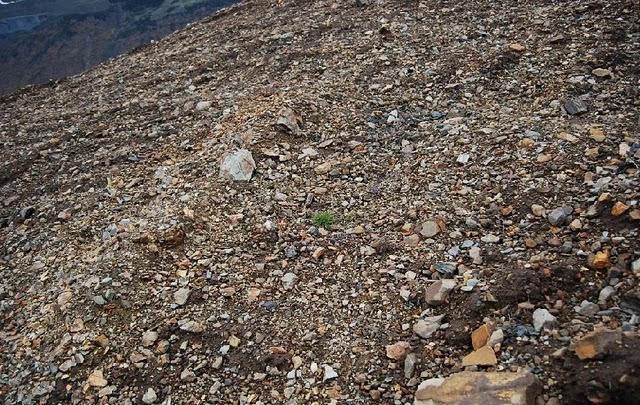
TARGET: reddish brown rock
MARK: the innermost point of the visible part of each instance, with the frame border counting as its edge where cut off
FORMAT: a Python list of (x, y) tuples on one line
[(398, 351), (597, 344), (619, 208)]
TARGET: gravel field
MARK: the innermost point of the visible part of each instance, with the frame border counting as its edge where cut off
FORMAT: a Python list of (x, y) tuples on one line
[(313, 202)]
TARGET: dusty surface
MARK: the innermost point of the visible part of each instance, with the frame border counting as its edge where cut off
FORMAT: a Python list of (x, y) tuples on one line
[(430, 131)]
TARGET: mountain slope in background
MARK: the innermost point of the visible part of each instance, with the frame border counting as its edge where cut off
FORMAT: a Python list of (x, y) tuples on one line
[(414, 172), (51, 39)]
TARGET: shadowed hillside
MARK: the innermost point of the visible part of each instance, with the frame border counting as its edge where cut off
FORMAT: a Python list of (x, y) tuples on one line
[(52, 39)]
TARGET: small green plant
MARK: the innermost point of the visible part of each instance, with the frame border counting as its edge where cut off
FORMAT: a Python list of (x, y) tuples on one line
[(323, 219)]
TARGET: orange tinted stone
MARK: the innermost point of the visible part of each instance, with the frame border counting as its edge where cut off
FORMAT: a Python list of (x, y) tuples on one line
[(480, 336), (596, 344), (485, 356), (619, 208), (601, 260)]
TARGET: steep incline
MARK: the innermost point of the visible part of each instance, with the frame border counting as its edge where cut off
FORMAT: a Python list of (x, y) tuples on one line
[(496, 145)]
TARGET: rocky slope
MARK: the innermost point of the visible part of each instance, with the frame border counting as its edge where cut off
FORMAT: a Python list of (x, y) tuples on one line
[(475, 165)]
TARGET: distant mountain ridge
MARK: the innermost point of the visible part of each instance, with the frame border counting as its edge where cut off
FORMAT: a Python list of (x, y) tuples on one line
[(51, 39)]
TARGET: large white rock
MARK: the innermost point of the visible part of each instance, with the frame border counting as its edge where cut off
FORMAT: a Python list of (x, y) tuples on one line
[(238, 165), (543, 319)]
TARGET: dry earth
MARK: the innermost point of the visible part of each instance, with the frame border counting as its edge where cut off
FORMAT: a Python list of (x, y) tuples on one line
[(495, 144)]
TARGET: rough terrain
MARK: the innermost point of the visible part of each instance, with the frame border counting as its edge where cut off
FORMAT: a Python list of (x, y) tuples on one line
[(478, 160)]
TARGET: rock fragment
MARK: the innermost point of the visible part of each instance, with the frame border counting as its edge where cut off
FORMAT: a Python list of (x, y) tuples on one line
[(427, 326), (289, 280), (323, 168), (448, 269), (488, 388), (438, 292), (490, 238), (64, 299), (587, 308), (149, 338), (619, 208), (597, 344), (193, 327), (496, 338), (203, 105), (480, 336), (543, 319), (181, 296), (597, 134), (410, 364), (398, 351), (601, 73), (475, 255), (96, 379), (605, 294), (575, 106), (429, 229), (237, 166), (484, 356), (289, 121), (149, 396), (559, 215), (329, 373), (600, 261), (412, 240), (538, 210)]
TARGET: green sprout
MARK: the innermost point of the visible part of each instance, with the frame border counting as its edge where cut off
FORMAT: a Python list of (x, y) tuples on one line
[(323, 219)]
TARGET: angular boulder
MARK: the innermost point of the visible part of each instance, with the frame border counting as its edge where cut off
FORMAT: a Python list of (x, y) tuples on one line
[(430, 229), (427, 326), (237, 166), (543, 319), (484, 356), (289, 121), (597, 344), (437, 292), (575, 106), (490, 388), (480, 336), (398, 351)]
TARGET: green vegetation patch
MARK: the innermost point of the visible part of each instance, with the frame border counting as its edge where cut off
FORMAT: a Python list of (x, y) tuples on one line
[(323, 219)]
